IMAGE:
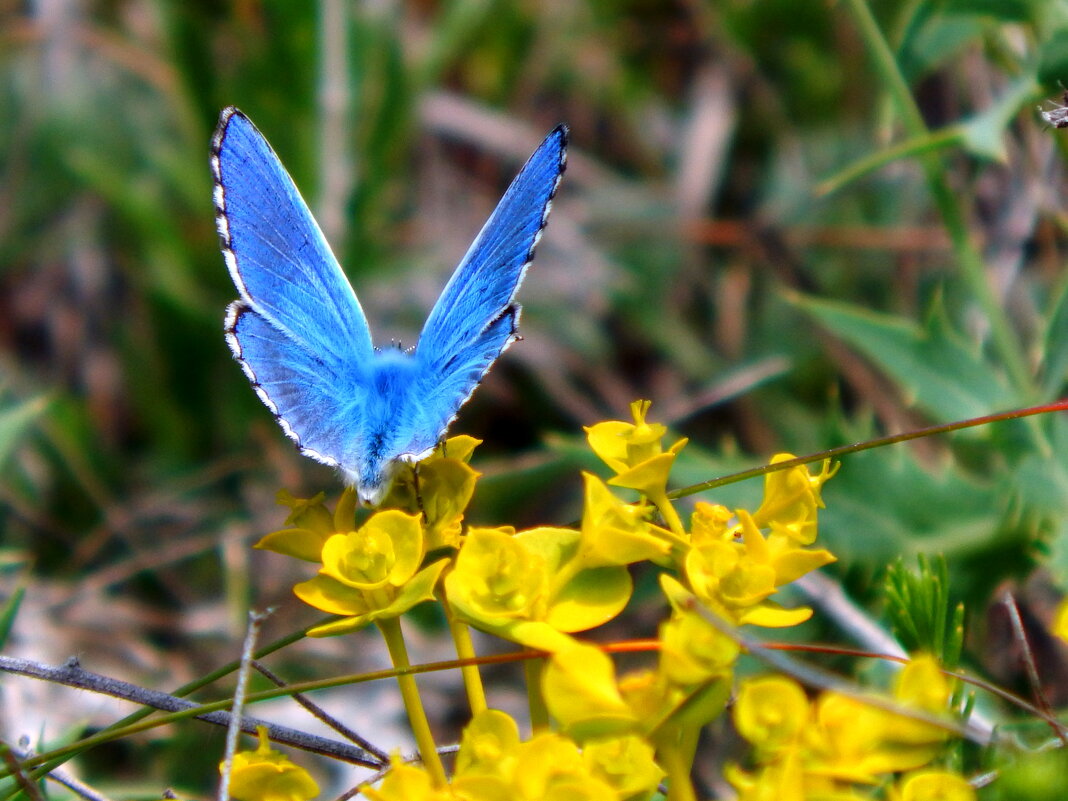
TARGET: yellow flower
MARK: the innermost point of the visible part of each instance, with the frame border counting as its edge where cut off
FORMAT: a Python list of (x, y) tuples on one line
[(732, 586), (771, 712), (710, 523), (268, 775), (439, 489), (860, 741), (493, 765), (695, 672), (735, 579), (496, 578), (623, 446), (693, 651), (386, 550), (550, 767), (617, 533), (838, 740), (405, 782), (488, 745), (782, 780), (1060, 621), (791, 498), (634, 451), (371, 574), (530, 588), (309, 525), (932, 785), (923, 686), (626, 763), (720, 571)]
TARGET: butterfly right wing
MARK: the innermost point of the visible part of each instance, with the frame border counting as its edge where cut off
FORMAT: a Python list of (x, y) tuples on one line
[(297, 329), (475, 318)]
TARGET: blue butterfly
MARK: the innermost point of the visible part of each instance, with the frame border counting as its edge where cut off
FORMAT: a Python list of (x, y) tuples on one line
[(299, 334)]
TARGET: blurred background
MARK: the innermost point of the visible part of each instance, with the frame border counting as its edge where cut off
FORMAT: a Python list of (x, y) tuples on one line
[(783, 235)]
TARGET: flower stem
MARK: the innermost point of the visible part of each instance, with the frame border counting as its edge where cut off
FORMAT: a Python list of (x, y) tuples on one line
[(465, 649), (667, 511), (398, 652), (539, 713), (676, 758)]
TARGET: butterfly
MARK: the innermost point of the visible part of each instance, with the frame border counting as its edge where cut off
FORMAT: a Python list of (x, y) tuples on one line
[(301, 337)]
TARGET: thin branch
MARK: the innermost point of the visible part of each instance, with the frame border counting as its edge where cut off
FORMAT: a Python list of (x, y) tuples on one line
[(1027, 657), (233, 731), (72, 675), (62, 777), (29, 787), (322, 715)]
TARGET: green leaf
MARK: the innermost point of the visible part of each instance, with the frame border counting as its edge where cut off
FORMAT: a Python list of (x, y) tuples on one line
[(1053, 58), (913, 510), (1057, 563), (15, 421), (922, 614), (935, 369), (1000, 10), (1039, 481), (1055, 346), (984, 134), (935, 38), (8, 613)]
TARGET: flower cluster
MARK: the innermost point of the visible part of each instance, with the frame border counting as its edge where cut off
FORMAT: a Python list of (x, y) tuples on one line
[(825, 748), (599, 735), (688, 687), (535, 587), (493, 763), (731, 561)]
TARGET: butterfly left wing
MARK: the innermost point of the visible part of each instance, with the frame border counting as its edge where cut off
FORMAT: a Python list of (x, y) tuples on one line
[(297, 330), (318, 405), (475, 318)]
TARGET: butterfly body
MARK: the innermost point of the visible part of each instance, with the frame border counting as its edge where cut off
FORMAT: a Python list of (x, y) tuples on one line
[(302, 339)]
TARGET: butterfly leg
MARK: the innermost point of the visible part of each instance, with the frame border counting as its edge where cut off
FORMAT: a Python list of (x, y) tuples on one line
[(418, 494)]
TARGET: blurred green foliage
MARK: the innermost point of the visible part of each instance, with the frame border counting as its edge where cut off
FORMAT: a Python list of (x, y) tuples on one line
[(689, 260)]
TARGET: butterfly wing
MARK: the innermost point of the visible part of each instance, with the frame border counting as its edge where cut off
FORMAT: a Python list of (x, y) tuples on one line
[(297, 329), (318, 405), (475, 318)]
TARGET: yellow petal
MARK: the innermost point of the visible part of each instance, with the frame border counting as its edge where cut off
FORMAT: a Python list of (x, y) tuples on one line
[(580, 690), (300, 543)]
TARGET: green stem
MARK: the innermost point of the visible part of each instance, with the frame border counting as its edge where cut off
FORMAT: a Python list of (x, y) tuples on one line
[(675, 753), (539, 713), (1005, 340), (465, 649), (398, 652), (667, 511)]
